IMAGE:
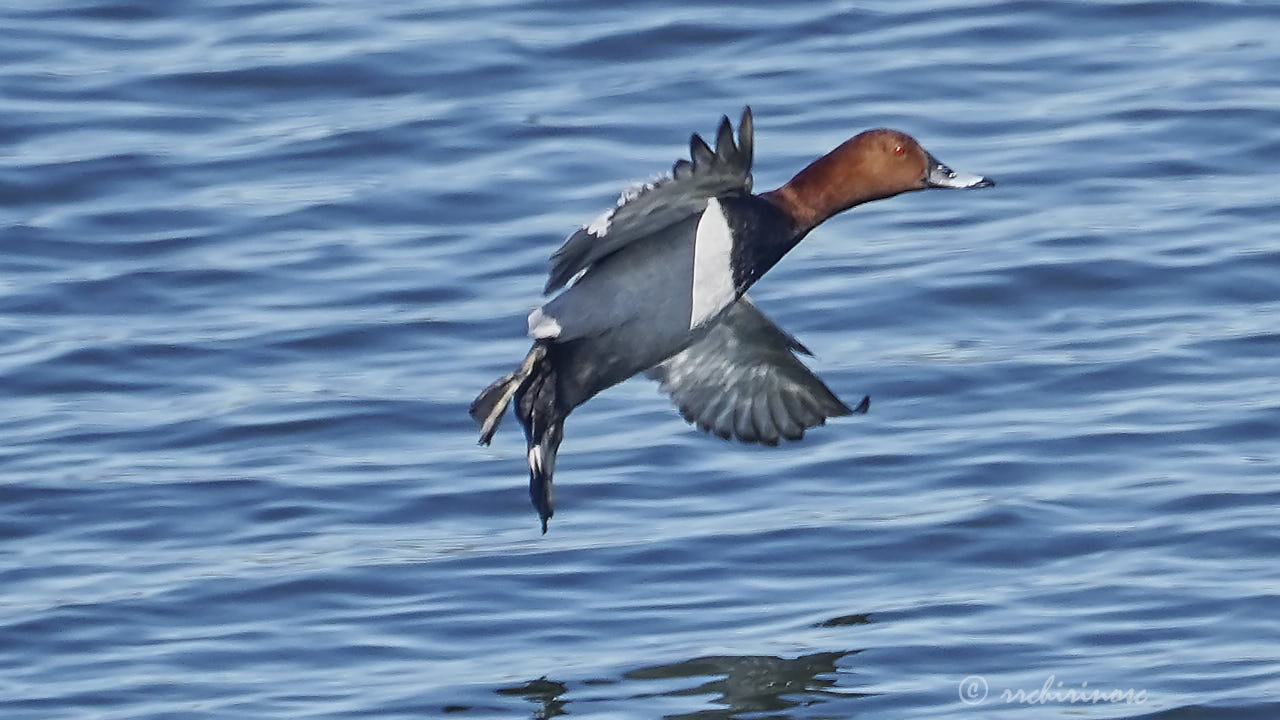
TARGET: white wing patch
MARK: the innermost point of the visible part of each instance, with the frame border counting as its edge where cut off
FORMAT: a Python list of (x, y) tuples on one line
[(713, 287), (600, 225), (543, 326)]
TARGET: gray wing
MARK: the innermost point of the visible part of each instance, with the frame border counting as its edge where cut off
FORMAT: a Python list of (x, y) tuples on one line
[(655, 206), (743, 379)]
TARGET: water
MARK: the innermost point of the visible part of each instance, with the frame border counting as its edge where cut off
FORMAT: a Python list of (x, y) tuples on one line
[(257, 258)]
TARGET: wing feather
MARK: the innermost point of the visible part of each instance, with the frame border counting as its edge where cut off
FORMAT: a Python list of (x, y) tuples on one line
[(703, 156), (650, 208), (743, 379)]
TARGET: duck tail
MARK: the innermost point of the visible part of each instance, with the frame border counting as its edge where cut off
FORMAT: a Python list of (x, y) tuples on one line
[(538, 410), (533, 387)]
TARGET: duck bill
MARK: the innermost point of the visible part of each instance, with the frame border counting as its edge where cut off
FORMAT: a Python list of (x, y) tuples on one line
[(941, 176)]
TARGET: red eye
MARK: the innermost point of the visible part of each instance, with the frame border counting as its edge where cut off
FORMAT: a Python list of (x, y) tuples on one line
[(899, 150)]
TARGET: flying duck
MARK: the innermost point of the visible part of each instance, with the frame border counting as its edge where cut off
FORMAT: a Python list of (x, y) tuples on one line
[(657, 285)]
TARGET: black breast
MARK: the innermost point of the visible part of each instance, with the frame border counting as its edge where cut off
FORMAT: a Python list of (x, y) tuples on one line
[(761, 233)]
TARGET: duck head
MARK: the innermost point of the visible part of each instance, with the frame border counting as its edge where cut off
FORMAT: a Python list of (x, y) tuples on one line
[(871, 165)]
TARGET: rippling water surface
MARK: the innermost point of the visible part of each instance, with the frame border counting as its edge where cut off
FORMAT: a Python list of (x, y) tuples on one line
[(257, 257)]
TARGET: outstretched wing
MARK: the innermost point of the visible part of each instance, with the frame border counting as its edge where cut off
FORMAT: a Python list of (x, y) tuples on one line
[(655, 206), (743, 379)]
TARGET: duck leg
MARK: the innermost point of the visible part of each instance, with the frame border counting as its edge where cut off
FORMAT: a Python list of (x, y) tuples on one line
[(491, 404)]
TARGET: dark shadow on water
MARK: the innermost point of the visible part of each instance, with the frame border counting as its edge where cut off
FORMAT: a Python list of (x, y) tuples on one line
[(761, 687), (857, 619), (543, 692), (753, 684)]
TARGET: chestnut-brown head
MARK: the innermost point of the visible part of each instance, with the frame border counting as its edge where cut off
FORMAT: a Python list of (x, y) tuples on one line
[(869, 166)]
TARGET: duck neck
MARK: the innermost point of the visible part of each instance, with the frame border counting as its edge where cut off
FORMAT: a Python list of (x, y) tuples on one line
[(829, 185), (804, 215)]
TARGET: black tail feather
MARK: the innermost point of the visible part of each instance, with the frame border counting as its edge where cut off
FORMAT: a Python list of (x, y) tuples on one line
[(542, 463), (539, 413)]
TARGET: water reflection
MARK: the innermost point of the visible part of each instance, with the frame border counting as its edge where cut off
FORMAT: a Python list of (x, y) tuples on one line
[(752, 684), (855, 619), (764, 687), (743, 684), (543, 692)]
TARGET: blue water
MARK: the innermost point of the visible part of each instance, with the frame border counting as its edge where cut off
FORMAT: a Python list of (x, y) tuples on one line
[(256, 258)]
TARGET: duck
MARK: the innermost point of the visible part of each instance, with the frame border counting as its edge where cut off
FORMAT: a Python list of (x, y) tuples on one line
[(657, 285)]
